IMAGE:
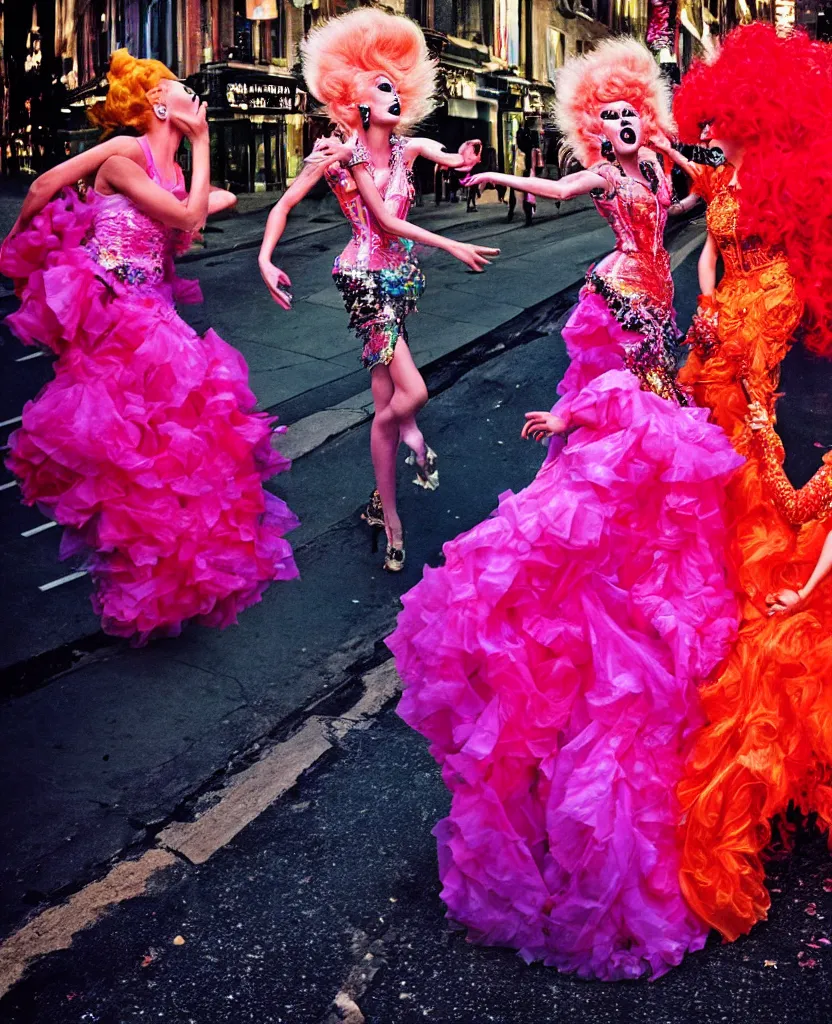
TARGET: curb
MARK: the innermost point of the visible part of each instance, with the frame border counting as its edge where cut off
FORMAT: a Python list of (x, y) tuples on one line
[(218, 817)]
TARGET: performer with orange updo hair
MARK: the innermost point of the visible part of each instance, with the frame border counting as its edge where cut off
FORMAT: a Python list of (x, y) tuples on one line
[(553, 660), (769, 738), (373, 73), (146, 446)]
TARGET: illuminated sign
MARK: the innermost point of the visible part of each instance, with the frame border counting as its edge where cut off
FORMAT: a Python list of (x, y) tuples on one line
[(261, 94)]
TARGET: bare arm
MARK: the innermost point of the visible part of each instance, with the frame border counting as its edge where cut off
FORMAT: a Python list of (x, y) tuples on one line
[(78, 168), (707, 266), (275, 279), (121, 175), (220, 199), (821, 570), (430, 149), (579, 184), (276, 223), (684, 205), (472, 255)]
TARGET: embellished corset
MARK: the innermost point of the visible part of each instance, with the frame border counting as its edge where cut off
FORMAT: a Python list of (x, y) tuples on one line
[(370, 248), (634, 279), (739, 255), (132, 246)]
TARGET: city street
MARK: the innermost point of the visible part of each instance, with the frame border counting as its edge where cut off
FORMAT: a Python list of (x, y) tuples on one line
[(235, 827)]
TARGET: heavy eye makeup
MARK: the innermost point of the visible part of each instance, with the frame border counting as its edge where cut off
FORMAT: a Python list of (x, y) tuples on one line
[(384, 87), (615, 115)]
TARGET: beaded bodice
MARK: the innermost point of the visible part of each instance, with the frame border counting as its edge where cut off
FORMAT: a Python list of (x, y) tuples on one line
[(134, 247), (634, 280), (370, 248), (639, 266), (741, 254)]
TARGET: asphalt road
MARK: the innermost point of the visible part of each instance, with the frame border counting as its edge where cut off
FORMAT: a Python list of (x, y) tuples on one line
[(333, 889)]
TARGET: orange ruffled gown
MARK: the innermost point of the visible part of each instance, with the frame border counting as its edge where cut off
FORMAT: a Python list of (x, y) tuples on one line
[(769, 706)]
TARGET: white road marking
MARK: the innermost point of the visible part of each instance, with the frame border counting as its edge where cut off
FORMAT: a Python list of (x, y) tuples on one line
[(64, 579), (32, 355), (38, 529), (14, 419), (8, 486)]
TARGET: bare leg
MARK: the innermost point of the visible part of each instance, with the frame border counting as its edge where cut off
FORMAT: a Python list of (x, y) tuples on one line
[(409, 396), (384, 444)]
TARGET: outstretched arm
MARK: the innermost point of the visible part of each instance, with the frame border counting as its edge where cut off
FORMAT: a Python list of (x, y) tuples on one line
[(467, 156), (472, 255), (579, 184)]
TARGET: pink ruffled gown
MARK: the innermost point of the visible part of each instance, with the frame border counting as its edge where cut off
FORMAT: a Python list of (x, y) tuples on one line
[(145, 446), (553, 661)]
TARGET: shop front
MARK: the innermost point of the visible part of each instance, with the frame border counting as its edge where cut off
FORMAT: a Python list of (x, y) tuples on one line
[(256, 122)]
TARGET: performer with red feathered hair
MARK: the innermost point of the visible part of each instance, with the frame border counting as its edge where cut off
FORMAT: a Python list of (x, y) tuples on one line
[(372, 72), (769, 741)]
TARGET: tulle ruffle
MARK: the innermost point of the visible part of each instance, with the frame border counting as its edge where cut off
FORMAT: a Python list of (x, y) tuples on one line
[(553, 661), (146, 445), (769, 707)]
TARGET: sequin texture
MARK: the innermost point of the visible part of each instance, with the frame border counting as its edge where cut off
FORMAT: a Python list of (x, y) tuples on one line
[(377, 274)]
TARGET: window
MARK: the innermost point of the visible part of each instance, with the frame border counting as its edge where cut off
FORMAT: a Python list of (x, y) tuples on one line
[(159, 31)]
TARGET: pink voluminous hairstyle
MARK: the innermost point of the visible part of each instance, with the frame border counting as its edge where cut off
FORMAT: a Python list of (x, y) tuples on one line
[(617, 69), (346, 54), (772, 94)]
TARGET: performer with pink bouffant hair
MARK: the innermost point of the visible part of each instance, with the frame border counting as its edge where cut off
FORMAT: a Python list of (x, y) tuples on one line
[(553, 661), (372, 72)]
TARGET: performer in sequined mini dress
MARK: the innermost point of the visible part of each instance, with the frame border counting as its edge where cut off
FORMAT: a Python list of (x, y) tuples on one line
[(553, 660), (373, 72), (768, 742), (146, 446)]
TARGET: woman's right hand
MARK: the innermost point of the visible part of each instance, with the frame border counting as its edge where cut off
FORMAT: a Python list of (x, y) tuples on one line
[(193, 126), (473, 256), (278, 284)]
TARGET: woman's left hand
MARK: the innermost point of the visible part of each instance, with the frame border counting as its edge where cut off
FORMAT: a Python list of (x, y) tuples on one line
[(329, 151)]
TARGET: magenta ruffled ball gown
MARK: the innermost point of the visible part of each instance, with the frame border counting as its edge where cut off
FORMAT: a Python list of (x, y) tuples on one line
[(146, 445), (553, 660)]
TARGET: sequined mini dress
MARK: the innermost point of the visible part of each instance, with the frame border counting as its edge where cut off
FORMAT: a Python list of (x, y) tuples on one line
[(377, 274), (553, 660), (146, 446), (769, 707)]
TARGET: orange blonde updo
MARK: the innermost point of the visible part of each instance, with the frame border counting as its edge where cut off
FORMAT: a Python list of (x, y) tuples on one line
[(617, 69), (347, 53), (127, 105)]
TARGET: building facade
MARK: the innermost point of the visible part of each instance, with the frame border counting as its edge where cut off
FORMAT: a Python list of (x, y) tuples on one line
[(497, 63)]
